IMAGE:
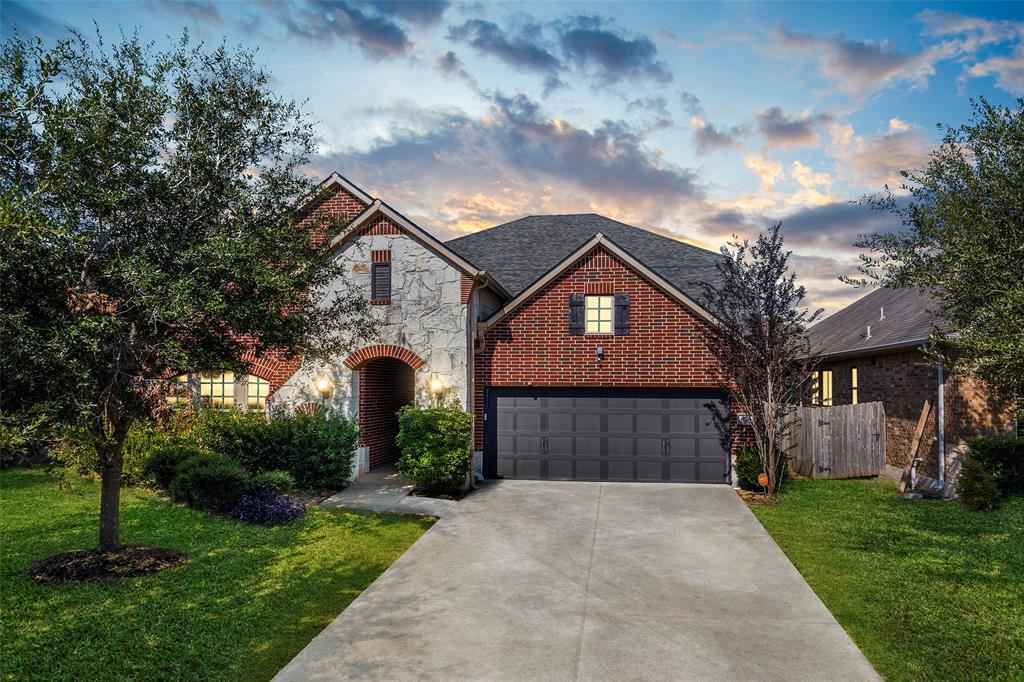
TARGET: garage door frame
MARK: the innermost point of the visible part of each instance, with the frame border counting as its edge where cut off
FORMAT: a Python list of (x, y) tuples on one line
[(492, 393)]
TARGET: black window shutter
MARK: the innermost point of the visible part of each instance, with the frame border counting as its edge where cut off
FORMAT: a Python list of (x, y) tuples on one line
[(380, 283), (621, 314), (577, 314)]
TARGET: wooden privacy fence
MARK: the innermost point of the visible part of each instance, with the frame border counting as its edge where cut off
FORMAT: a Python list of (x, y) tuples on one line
[(843, 441)]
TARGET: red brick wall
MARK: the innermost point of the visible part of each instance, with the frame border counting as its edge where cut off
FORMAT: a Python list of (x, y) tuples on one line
[(903, 381), (273, 366), (385, 386), (532, 346)]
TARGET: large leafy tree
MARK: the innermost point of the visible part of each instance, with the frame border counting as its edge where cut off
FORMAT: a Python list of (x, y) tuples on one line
[(963, 241), (148, 203), (760, 342)]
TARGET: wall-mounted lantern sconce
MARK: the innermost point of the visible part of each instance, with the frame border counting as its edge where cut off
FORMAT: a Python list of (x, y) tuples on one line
[(600, 352), (323, 387), (437, 387)]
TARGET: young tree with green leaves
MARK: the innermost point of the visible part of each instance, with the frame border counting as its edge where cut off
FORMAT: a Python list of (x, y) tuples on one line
[(963, 241), (148, 202), (760, 342)]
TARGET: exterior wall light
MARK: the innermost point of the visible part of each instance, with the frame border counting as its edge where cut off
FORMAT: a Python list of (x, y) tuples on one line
[(436, 385), (323, 387), (600, 352)]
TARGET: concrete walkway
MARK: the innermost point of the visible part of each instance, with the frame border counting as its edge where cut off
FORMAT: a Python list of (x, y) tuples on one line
[(588, 581), (386, 490)]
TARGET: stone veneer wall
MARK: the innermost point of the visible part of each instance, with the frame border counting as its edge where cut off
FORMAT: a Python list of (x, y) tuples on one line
[(427, 315)]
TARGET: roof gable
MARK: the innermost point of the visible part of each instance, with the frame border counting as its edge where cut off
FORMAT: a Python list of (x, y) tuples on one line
[(598, 241), (910, 316), (520, 252)]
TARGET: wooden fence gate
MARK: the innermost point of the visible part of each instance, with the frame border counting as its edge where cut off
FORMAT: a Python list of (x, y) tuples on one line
[(843, 441)]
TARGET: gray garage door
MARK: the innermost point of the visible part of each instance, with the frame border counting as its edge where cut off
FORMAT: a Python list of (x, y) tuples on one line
[(605, 435)]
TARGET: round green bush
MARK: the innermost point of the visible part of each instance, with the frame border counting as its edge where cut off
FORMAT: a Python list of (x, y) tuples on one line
[(275, 481), (978, 487), (163, 463), (210, 482), (435, 446)]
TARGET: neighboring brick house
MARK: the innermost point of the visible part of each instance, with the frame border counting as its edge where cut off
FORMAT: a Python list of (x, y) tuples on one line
[(575, 340), (872, 350)]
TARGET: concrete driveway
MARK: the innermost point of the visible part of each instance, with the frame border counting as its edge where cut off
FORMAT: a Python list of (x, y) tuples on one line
[(588, 581)]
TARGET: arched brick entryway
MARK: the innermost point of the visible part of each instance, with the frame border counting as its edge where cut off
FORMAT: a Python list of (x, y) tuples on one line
[(387, 378)]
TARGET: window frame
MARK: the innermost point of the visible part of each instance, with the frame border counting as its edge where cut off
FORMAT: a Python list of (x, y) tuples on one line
[(194, 382), (826, 388), (605, 327), (854, 386)]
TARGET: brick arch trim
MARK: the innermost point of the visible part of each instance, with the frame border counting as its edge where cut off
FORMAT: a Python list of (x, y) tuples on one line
[(383, 350), (274, 366)]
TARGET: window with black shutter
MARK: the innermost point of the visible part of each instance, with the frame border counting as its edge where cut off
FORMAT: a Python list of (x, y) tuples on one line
[(621, 314), (380, 283), (577, 308)]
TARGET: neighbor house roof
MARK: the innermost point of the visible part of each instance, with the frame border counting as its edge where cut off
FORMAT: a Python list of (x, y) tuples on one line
[(519, 253), (898, 318)]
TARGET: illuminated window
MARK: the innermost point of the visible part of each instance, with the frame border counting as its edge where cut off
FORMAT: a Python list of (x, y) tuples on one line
[(257, 392), (815, 390), (826, 387), (217, 389), (854, 397), (179, 392), (599, 314)]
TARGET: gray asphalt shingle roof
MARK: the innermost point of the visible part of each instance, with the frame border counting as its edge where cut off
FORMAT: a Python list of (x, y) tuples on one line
[(520, 252), (910, 316)]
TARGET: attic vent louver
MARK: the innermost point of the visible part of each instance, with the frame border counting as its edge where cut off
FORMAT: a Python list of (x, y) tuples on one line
[(882, 315)]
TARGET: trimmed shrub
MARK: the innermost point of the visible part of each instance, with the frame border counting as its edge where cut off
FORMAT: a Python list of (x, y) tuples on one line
[(1003, 458), (435, 446), (268, 508), (275, 481), (316, 449), (748, 468), (164, 462), (978, 487), (210, 482)]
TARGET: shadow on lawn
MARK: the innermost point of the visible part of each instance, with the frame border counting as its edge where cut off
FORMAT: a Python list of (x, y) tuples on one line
[(246, 602)]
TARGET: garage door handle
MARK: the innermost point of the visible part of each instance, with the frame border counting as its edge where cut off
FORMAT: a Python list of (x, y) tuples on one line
[(544, 446), (664, 447)]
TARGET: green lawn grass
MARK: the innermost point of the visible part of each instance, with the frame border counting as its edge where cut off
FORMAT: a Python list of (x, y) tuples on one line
[(246, 602), (927, 589)]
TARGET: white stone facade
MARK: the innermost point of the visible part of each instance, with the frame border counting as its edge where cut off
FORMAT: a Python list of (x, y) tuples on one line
[(426, 315)]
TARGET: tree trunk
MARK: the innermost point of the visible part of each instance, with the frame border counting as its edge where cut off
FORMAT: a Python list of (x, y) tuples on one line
[(110, 496)]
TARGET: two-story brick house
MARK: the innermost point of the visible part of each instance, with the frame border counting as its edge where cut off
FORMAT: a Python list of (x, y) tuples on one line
[(576, 341)]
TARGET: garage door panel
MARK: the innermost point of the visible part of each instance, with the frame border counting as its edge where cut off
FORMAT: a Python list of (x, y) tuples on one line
[(649, 447), (560, 445), (619, 470), (560, 421), (588, 422), (620, 422), (588, 470), (560, 469), (528, 468), (682, 447), (607, 434), (620, 447), (650, 470), (649, 423)]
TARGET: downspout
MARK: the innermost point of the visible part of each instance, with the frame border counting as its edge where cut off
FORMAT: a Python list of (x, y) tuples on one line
[(940, 425)]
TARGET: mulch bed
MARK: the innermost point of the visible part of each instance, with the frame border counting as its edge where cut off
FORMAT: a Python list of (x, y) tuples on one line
[(441, 496), (94, 565), (751, 497)]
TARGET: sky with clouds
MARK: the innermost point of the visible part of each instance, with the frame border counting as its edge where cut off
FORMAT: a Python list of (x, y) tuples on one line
[(696, 120)]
